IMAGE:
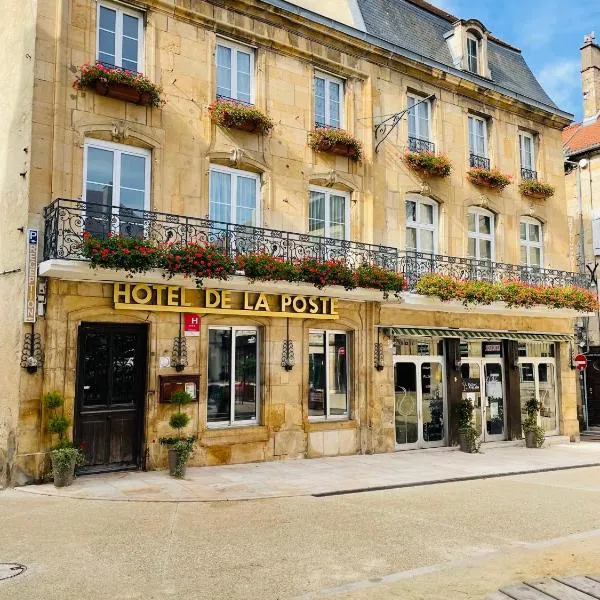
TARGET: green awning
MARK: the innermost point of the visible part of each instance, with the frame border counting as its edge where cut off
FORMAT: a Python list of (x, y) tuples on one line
[(478, 334)]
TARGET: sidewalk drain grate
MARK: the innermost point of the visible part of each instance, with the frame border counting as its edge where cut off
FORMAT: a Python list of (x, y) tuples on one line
[(10, 570)]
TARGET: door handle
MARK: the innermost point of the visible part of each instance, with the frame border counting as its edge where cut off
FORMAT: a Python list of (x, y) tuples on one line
[(87, 387)]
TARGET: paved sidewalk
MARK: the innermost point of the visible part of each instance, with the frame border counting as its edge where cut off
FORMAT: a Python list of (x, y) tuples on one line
[(323, 476)]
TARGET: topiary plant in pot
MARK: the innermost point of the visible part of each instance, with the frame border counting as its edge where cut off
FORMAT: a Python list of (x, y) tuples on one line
[(534, 434), (180, 448), (467, 434), (64, 456)]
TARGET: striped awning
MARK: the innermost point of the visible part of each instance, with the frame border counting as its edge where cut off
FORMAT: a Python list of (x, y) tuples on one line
[(478, 334)]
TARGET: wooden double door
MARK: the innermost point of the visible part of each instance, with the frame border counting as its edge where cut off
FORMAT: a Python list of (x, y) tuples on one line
[(110, 393)]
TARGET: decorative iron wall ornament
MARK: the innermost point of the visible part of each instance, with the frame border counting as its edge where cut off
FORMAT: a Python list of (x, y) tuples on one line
[(31, 356), (378, 352), (179, 356), (287, 350)]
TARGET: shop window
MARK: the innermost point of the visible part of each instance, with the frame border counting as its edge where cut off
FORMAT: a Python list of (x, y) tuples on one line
[(418, 346), (480, 234), (119, 35), (235, 71), (233, 376), (328, 100), (531, 242), (328, 374), (234, 196), (328, 213), (117, 188), (421, 224)]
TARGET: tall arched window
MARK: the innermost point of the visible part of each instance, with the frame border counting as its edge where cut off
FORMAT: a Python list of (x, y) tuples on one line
[(421, 224), (473, 52), (481, 234), (531, 242)]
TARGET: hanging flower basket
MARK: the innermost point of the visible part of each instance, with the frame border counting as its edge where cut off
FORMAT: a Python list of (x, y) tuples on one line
[(118, 83), (336, 141), (237, 115), (536, 189), (490, 178), (428, 164)]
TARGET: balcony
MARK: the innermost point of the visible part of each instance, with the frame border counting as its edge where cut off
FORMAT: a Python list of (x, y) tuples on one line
[(528, 174), (66, 221), (479, 162), (419, 145)]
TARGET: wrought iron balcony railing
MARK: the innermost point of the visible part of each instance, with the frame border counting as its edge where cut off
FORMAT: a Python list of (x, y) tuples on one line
[(419, 145), (528, 174), (222, 97), (480, 162), (66, 221)]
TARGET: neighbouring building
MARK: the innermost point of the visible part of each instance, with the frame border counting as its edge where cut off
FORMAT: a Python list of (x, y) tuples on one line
[(276, 369), (582, 167)]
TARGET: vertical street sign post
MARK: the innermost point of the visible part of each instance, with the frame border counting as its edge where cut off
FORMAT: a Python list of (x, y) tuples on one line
[(31, 264)]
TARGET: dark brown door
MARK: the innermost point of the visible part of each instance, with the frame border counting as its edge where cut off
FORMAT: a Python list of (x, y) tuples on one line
[(111, 381), (593, 386)]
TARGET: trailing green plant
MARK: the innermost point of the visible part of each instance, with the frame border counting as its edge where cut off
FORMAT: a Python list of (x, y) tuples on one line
[(536, 189), (238, 115), (530, 423), (183, 448), (330, 139), (329, 272), (478, 292), (491, 178), (90, 76), (443, 287), (180, 445), (464, 418), (378, 278), (262, 266), (52, 400), (428, 163), (58, 425), (64, 457), (198, 261), (130, 254)]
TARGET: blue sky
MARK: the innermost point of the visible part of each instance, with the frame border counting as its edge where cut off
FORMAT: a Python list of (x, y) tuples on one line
[(548, 32)]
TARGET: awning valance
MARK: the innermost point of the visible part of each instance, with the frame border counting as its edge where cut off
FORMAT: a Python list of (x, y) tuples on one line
[(478, 334)]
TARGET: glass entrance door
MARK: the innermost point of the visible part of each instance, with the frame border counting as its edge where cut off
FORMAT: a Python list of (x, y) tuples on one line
[(420, 406), (483, 385), (538, 380)]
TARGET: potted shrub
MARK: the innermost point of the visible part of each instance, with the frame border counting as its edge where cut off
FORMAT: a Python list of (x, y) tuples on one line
[(467, 434), (336, 141), (64, 456), (233, 114), (118, 83), (180, 448), (533, 188), (428, 163), (534, 434), (490, 178)]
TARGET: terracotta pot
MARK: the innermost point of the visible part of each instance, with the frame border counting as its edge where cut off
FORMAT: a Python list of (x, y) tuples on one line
[(64, 478), (536, 195), (122, 91), (342, 150), (484, 183), (173, 464)]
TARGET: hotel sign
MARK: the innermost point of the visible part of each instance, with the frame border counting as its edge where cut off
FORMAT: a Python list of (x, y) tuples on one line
[(31, 265), (170, 298)]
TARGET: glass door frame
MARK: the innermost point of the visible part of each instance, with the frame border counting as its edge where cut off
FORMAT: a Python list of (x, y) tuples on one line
[(536, 361), (482, 361), (418, 362)]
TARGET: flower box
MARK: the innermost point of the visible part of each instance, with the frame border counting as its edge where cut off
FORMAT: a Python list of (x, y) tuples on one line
[(335, 141), (232, 114), (490, 178), (428, 164), (532, 188), (118, 83)]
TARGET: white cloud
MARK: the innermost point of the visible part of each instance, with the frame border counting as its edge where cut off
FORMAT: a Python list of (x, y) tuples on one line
[(562, 82)]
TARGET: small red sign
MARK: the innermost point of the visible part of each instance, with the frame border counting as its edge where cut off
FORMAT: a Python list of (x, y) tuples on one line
[(581, 361), (191, 324), (341, 350)]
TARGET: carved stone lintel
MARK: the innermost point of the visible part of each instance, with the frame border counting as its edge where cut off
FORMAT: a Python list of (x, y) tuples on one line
[(531, 209), (332, 178), (120, 131), (425, 188), (237, 157), (484, 201)]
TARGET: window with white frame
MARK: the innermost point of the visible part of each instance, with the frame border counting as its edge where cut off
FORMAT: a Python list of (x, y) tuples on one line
[(120, 36), (477, 137), (329, 100), (328, 213), (328, 396), (418, 118), (472, 53), (527, 153), (421, 224), (235, 71), (481, 234), (234, 196), (233, 376), (117, 187), (531, 242)]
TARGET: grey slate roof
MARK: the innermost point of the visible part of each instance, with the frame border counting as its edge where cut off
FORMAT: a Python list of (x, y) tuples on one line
[(418, 33)]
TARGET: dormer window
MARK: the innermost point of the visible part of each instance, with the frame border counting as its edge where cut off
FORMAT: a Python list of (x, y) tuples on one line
[(468, 45), (472, 53)]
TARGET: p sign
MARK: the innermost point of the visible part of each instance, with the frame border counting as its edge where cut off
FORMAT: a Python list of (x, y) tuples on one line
[(191, 325), (580, 362)]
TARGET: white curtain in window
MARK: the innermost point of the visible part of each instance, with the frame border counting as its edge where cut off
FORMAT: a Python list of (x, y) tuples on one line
[(220, 196)]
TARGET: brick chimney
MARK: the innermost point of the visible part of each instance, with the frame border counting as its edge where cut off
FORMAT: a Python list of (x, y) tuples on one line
[(590, 77)]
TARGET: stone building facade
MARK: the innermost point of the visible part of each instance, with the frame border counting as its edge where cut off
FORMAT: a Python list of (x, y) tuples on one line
[(378, 375)]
